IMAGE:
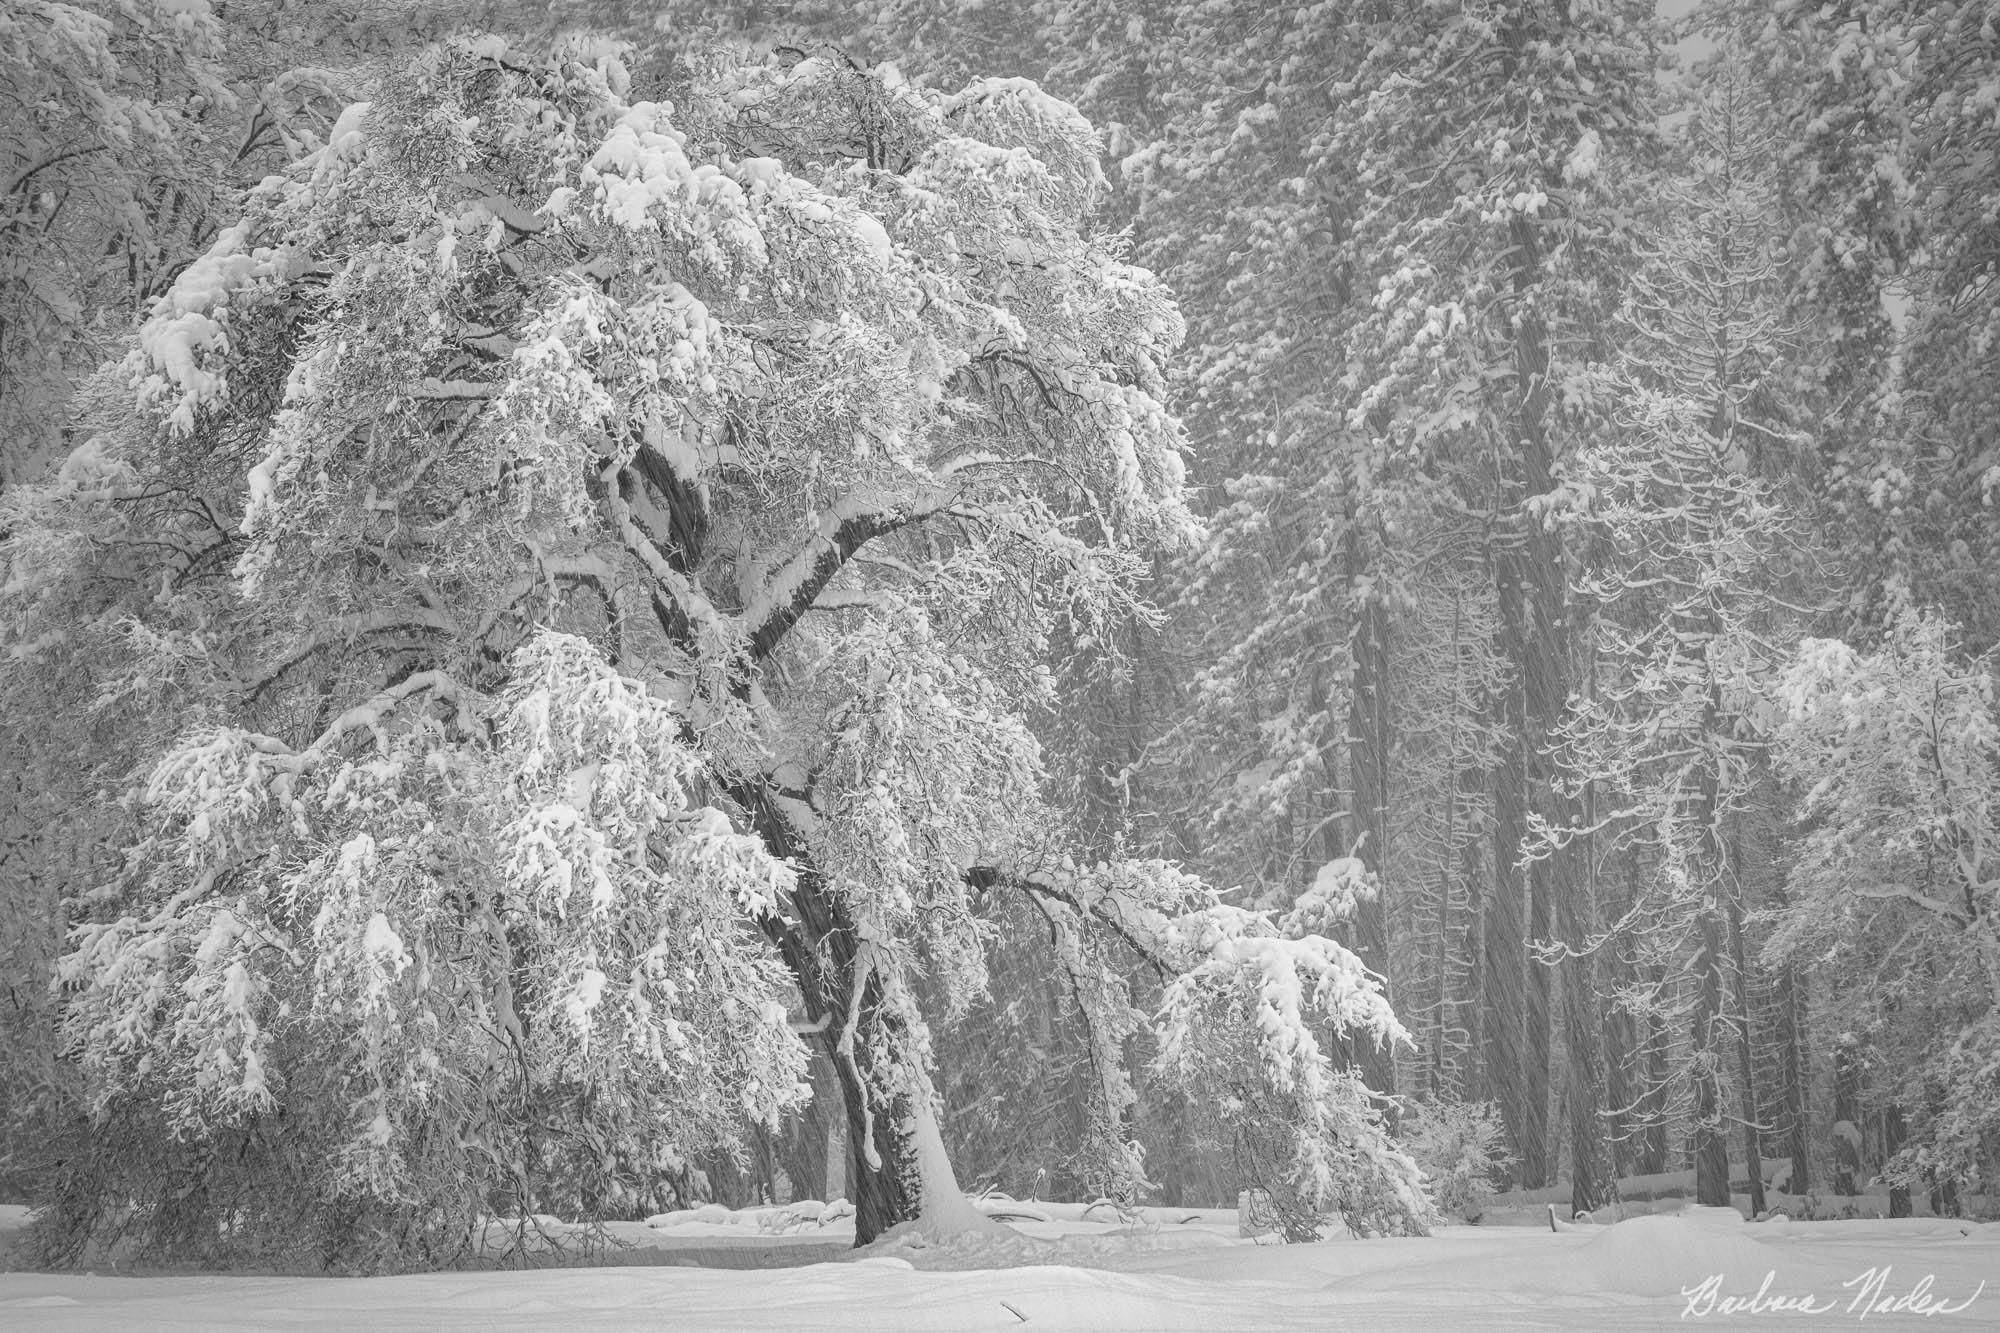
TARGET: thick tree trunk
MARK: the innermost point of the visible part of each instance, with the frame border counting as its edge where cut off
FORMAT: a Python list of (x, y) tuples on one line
[(878, 1174), (1473, 1082), (1622, 1078), (1753, 1143), (1618, 1056), (1583, 1065), (1846, 1118), (1653, 1102), (1794, 1095), (1536, 641), (1796, 1079), (1368, 765), (1654, 1148), (1590, 1168), (823, 950), (1459, 873), (1894, 1134), (1505, 959), (1438, 1076), (1711, 1146), (1438, 1071)]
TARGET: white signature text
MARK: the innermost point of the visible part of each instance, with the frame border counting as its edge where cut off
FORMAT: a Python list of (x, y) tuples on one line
[(1871, 1294)]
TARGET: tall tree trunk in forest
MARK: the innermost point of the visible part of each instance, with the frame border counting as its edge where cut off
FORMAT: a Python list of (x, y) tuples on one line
[(1331, 837), (1478, 1081), (1618, 1056), (1441, 1077), (1846, 1117), (1753, 1144), (1536, 641), (1583, 1065), (1709, 875), (1590, 1167), (1653, 1141), (1894, 1134), (1650, 1060), (1368, 766), (1711, 1146), (1622, 1080), (1653, 1103), (1531, 582), (1505, 961), (1794, 1077)]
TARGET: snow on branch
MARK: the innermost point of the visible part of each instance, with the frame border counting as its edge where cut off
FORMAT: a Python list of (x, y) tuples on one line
[(371, 713), (184, 341), (850, 525), (1242, 1010)]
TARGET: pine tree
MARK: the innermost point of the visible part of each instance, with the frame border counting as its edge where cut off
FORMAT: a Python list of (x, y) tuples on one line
[(1688, 550), (1442, 245)]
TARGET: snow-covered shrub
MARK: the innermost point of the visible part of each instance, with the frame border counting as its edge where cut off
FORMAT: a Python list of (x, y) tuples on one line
[(1236, 1029), (1462, 1148)]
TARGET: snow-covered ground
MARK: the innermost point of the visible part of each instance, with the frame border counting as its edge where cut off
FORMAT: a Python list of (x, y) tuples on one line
[(1071, 1268)]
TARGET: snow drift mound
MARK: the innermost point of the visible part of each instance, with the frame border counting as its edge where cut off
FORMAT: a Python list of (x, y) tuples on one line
[(1666, 1254)]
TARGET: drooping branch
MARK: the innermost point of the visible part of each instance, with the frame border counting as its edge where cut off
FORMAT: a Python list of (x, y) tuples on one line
[(352, 629), (1040, 887), (373, 711)]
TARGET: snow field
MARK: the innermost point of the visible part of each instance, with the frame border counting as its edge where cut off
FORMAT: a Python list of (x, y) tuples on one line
[(1066, 1266)]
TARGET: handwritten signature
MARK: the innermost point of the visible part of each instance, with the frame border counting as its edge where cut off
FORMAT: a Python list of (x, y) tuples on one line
[(1871, 1295)]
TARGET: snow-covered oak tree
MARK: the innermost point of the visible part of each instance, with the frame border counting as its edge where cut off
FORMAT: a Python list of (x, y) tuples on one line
[(572, 584)]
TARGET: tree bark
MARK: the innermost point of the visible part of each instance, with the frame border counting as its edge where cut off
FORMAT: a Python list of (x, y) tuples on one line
[(1618, 1055), (1505, 945), (1846, 1118), (1894, 1134), (1711, 1146), (1368, 764), (1796, 1078), (1590, 1168), (1583, 1066), (1653, 1102), (820, 945), (1753, 1143), (1473, 1082), (1794, 1074)]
